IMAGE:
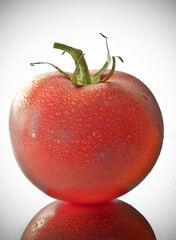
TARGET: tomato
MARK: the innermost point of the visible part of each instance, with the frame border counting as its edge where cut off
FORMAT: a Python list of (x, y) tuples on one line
[(89, 143), (107, 221)]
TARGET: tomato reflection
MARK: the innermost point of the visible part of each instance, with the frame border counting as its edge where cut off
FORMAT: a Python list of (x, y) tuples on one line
[(108, 221)]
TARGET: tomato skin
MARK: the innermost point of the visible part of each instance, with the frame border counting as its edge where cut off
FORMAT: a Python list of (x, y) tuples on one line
[(86, 144), (107, 221)]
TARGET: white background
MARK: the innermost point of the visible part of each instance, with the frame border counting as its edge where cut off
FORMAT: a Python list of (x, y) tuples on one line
[(143, 33)]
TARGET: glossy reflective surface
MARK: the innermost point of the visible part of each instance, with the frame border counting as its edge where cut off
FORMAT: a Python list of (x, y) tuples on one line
[(86, 144), (115, 220)]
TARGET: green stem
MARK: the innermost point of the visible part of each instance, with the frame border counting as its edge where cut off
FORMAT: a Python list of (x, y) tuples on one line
[(81, 75), (112, 69), (96, 77), (58, 69)]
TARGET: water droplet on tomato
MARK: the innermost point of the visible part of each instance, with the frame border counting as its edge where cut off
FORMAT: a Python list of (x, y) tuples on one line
[(33, 134), (58, 140), (51, 131), (79, 120), (84, 141), (35, 225), (73, 103), (67, 113), (59, 114), (97, 133), (73, 110)]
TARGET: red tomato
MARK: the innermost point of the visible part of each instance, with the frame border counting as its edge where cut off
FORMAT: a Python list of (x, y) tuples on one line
[(114, 220), (90, 143), (86, 144)]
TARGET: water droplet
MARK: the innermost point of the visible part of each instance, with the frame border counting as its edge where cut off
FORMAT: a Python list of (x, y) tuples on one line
[(107, 103), (88, 147), (73, 103), (67, 113), (58, 140), (79, 120), (35, 225), (33, 134), (83, 141), (51, 131), (102, 109), (97, 133), (59, 114)]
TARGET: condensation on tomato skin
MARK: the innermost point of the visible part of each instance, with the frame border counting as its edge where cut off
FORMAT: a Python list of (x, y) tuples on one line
[(97, 133), (110, 125), (37, 225)]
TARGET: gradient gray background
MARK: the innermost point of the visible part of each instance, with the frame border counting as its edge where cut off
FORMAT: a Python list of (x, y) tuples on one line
[(144, 34)]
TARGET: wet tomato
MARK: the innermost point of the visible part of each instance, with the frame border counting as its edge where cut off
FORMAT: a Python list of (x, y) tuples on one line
[(88, 140), (107, 221)]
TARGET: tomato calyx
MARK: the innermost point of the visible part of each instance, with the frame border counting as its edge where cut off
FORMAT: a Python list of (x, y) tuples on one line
[(81, 75)]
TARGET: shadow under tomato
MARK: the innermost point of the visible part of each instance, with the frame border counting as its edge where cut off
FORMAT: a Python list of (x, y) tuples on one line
[(107, 221)]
